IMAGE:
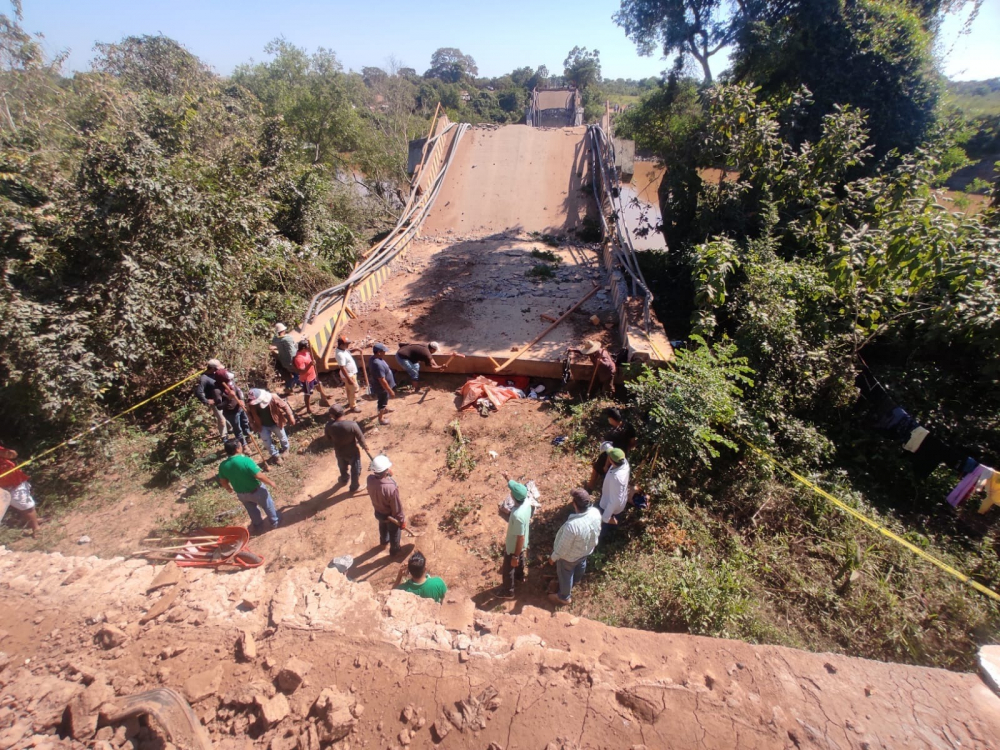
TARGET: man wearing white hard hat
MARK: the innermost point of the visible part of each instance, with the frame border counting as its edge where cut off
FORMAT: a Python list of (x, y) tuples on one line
[(384, 494), (285, 346)]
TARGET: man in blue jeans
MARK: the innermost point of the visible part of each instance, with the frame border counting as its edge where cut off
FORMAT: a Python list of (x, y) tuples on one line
[(381, 380), (239, 474), (575, 541), (347, 437)]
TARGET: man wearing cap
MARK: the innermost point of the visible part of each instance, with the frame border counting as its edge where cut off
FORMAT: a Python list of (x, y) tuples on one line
[(268, 415), (346, 436), (285, 346), (516, 543), (381, 380), (305, 367), (205, 391), (614, 493), (575, 542), (601, 359), (349, 371), (384, 494), (240, 474), (421, 584), (621, 435)]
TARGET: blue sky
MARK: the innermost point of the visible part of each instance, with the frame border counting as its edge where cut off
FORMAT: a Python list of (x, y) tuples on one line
[(499, 35)]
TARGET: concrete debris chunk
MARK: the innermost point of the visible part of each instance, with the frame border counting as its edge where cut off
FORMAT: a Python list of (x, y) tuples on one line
[(470, 713), (293, 674), (169, 575), (246, 646), (204, 685), (110, 637), (334, 712), (273, 710)]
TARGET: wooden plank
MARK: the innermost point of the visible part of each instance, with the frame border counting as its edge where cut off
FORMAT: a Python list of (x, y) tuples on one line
[(549, 330)]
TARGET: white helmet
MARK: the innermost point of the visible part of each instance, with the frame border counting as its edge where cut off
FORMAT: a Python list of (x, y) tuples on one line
[(381, 463)]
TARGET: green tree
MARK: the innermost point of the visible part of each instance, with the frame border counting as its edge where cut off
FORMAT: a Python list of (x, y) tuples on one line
[(448, 64), (312, 94), (873, 54), (582, 68), (697, 29)]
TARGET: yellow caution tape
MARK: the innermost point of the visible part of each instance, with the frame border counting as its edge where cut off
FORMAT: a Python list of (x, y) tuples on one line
[(97, 426), (878, 527)]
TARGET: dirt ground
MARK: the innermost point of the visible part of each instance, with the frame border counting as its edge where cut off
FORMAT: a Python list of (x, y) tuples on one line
[(457, 520)]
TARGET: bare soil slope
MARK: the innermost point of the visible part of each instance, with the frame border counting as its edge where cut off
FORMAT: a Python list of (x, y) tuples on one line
[(513, 177), (329, 663)]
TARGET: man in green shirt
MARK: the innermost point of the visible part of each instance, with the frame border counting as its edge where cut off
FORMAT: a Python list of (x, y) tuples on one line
[(517, 540), (421, 584), (239, 474)]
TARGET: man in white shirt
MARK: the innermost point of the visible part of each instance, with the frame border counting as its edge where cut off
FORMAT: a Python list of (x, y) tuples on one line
[(349, 371), (614, 493), (575, 542)]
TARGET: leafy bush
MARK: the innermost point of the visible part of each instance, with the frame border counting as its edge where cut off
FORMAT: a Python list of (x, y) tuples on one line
[(693, 405)]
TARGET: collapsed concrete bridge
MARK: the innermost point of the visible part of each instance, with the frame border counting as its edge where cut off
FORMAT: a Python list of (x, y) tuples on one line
[(505, 230)]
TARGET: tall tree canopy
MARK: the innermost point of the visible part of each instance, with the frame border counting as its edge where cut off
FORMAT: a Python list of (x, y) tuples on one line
[(873, 54), (451, 66), (582, 68), (687, 28)]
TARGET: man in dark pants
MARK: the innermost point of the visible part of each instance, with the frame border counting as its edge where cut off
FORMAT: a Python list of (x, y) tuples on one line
[(518, 525), (205, 391), (622, 435), (384, 494), (381, 380), (346, 436)]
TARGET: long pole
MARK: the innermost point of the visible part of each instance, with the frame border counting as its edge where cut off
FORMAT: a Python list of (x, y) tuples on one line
[(593, 377), (263, 461), (548, 330)]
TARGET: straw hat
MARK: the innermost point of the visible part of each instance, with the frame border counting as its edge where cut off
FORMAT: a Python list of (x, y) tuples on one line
[(590, 347)]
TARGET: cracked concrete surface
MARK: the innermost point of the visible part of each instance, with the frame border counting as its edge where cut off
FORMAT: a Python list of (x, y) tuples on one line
[(561, 679)]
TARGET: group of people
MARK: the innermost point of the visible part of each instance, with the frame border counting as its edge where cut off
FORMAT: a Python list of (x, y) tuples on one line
[(588, 523)]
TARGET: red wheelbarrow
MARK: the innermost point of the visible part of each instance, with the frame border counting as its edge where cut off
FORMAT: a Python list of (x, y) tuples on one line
[(206, 548)]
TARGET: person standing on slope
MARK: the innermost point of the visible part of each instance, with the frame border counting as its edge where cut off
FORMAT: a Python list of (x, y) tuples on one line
[(349, 371), (268, 416), (205, 392), (384, 494), (614, 493), (284, 346), (240, 474), (17, 483), (382, 381), (575, 541), (347, 437), (306, 369), (516, 543)]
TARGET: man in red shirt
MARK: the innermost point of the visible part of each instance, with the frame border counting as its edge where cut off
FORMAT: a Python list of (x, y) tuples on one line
[(17, 484), (306, 368)]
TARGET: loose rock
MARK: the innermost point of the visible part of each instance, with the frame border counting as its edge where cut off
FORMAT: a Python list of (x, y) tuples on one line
[(292, 674)]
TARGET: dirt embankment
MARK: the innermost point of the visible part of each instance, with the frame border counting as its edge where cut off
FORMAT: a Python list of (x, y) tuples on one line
[(308, 660)]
